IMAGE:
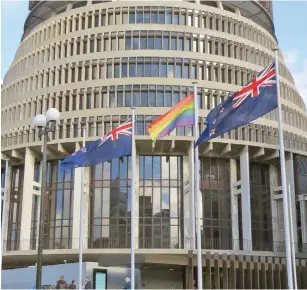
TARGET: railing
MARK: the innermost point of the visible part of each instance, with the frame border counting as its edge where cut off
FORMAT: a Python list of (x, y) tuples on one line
[(152, 243)]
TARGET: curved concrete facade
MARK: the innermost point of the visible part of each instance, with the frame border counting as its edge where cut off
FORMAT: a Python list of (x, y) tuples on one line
[(94, 60)]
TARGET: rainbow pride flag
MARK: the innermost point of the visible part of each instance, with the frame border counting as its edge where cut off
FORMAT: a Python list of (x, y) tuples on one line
[(179, 116)]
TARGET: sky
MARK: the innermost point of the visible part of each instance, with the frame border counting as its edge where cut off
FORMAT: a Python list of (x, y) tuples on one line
[(290, 25)]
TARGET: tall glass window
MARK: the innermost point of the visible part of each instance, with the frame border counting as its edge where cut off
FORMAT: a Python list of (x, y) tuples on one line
[(110, 208), (15, 208), (261, 207), (300, 171), (59, 207), (215, 188), (160, 202)]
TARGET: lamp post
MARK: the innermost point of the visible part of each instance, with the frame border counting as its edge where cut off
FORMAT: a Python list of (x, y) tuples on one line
[(45, 124)]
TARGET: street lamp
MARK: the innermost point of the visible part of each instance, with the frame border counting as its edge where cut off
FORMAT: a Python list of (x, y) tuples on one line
[(45, 123)]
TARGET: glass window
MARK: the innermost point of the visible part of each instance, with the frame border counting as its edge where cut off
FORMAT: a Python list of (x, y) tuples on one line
[(168, 99), (143, 42), (154, 17), (178, 70), (180, 43), (139, 17), (132, 70), (175, 98), (128, 99), (112, 99), (124, 70), (132, 17), (144, 99), (120, 99), (176, 19), (155, 70), (170, 70), (186, 71), (135, 42), (169, 18), (116, 70), (140, 69), (113, 44), (160, 99), (158, 42), (109, 71), (128, 43), (166, 43), (136, 99), (161, 18), (188, 44), (147, 17), (173, 43), (125, 18), (150, 42), (147, 70), (182, 19), (152, 99), (163, 70)]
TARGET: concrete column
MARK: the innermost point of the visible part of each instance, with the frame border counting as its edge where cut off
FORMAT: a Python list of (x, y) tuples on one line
[(290, 178), (77, 204), (189, 212), (8, 177), (303, 212), (274, 208), (25, 226), (234, 205), (245, 198)]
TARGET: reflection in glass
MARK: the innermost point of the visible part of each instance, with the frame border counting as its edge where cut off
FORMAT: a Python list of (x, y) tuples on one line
[(160, 202), (110, 209)]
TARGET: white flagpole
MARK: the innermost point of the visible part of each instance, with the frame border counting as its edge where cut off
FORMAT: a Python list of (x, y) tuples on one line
[(81, 217), (292, 238), (133, 155), (197, 199), (283, 177)]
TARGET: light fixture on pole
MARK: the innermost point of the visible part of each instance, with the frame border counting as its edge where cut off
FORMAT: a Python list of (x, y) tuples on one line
[(45, 123)]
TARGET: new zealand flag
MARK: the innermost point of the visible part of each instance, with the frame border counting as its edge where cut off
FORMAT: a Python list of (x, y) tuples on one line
[(117, 143), (256, 99)]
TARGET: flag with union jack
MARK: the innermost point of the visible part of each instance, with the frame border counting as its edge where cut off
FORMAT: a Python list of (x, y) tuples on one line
[(254, 100), (115, 144)]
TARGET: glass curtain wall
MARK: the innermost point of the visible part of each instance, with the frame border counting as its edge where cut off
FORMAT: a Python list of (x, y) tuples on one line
[(15, 207), (300, 171), (110, 207), (261, 207), (216, 211), (59, 198), (160, 202)]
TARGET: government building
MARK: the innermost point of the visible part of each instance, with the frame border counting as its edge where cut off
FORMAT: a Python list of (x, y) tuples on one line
[(93, 60)]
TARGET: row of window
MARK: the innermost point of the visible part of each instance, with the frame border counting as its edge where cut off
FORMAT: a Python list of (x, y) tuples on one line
[(144, 15), (136, 67), (134, 40), (160, 207), (99, 126), (133, 95)]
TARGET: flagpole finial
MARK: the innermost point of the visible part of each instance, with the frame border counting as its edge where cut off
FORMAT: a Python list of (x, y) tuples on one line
[(194, 82), (275, 48), (132, 108)]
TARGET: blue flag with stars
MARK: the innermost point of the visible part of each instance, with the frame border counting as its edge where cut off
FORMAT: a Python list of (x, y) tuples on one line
[(256, 99), (117, 143)]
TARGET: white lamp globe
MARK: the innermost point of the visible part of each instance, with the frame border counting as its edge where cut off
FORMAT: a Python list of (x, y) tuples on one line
[(40, 120), (52, 115)]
